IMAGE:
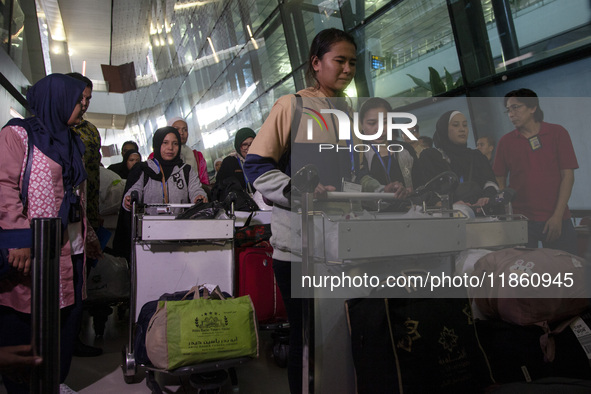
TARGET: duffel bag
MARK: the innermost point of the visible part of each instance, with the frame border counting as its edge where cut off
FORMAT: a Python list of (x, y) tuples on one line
[(189, 332), (531, 286)]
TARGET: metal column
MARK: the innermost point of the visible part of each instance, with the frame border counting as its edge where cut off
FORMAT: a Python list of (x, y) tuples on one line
[(45, 309)]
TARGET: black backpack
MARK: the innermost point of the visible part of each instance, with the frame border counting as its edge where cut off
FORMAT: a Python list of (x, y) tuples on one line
[(231, 189)]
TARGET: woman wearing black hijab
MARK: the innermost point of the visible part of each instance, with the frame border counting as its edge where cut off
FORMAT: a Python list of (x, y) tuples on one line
[(130, 159), (165, 178), (477, 180)]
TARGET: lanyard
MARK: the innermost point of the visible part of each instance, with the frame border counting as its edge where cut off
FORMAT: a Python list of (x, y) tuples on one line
[(387, 170), (164, 188), (244, 175)]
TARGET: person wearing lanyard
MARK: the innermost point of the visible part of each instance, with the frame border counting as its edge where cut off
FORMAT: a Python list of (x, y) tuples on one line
[(271, 161), (232, 166), (386, 168), (539, 160), (164, 179)]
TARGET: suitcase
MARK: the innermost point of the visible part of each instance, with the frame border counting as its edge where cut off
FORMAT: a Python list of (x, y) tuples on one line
[(257, 279)]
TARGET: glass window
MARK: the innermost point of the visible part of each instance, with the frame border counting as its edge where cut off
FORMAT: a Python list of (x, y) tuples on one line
[(565, 25), (4, 23), (405, 44), (258, 11)]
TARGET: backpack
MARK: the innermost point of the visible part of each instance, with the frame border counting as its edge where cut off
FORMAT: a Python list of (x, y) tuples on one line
[(230, 188)]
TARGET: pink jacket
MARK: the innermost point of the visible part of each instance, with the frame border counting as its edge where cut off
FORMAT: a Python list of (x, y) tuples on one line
[(45, 196)]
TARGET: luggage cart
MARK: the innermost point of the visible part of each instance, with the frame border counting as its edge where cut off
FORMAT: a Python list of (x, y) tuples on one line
[(169, 255), (331, 246)]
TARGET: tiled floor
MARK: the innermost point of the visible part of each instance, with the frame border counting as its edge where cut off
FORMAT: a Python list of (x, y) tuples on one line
[(90, 375)]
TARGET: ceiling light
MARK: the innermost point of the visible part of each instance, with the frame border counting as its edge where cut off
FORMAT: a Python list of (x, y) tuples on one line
[(15, 114), (215, 55), (189, 5)]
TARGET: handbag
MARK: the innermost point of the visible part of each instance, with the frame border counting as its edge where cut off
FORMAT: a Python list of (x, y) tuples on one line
[(211, 328)]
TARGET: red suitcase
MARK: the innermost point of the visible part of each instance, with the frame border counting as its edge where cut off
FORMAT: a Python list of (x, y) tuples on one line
[(256, 278)]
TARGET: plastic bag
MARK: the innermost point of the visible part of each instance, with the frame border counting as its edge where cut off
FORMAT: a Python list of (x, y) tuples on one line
[(109, 280)]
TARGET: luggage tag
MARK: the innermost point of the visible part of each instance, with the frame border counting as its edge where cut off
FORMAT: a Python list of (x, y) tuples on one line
[(75, 214), (583, 334)]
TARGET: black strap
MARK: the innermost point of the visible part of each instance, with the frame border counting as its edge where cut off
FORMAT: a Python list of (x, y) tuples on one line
[(24, 193), (295, 124)]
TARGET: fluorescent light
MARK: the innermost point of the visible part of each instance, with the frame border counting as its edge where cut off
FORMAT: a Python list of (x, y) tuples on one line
[(516, 59), (254, 42), (189, 5), (215, 55), (84, 67), (15, 114)]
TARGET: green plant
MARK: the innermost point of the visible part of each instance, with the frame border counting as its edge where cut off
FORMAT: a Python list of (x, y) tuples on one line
[(436, 84)]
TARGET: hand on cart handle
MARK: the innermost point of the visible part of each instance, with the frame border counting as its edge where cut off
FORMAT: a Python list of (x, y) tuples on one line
[(400, 192), (127, 202), (200, 198), (321, 190)]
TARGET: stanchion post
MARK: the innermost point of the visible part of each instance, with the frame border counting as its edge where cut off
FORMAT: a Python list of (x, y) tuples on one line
[(45, 308)]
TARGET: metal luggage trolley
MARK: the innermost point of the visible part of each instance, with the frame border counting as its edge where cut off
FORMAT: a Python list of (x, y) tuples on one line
[(331, 245), (169, 255)]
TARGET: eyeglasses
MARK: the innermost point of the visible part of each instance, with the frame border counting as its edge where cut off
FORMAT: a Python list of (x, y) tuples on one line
[(514, 108)]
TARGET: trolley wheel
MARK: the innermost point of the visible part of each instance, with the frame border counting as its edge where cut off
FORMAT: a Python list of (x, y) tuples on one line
[(128, 367), (130, 379), (280, 354), (209, 382)]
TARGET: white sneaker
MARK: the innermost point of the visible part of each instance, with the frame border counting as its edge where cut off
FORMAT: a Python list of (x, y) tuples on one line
[(64, 389)]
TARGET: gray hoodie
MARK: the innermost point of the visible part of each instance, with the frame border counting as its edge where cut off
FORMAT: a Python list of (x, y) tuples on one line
[(176, 184)]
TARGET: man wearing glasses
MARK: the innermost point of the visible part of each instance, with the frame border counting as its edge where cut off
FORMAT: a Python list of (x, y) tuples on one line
[(540, 160)]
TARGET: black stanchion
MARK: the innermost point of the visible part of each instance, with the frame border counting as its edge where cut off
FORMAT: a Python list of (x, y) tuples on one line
[(45, 309)]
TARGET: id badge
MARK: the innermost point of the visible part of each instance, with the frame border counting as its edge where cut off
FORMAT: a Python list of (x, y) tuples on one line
[(351, 187), (75, 214), (535, 143)]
